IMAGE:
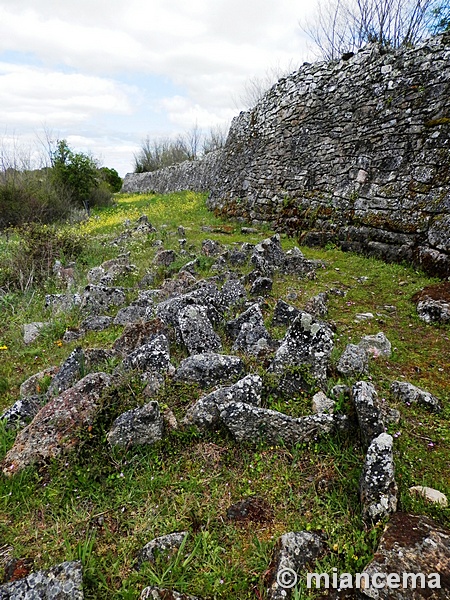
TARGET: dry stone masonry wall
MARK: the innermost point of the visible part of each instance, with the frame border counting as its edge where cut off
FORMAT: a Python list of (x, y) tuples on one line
[(196, 175), (355, 152)]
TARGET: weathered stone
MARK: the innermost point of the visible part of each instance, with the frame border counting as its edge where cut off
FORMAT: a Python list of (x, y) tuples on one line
[(284, 314), (208, 369), (307, 342), (62, 582), (98, 323), (430, 494), (377, 487), (140, 426), (353, 361), (206, 295), (411, 545), (205, 413), (32, 385), (138, 334), (322, 404), (98, 299), (57, 427), (233, 293), (318, 305), (433, 303), (62, 302), (197, 332), (154, 593), (409, 393), (70, 372), (211, 248), (164, 258), (72, 335), (31, 331), (252, 315), (294, 552), (132, 314), (252, 424), (22, 412), (261, 286), (253, 339), (237, 258), (151, 356), (376, 345), (370, 420), (270, 249), (165, 544)]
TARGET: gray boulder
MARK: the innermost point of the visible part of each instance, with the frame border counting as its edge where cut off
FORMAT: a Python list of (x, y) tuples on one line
[(32, 385), (98, 299), (353, 361), (376, 345), (253, 339), (270, 250), (409, 393), (284, 313), (377, 486), (233, 293), (62, 582), (209, 369), (253, 424), (22, 412), (151, 356), (140, 426), (307, 342), (205, 413), (370, 419), (318, 305), (211, 248), (69, 373), (132, 314), (434, 311), (164, 258), (252, 315), (97, 323), (322, 404), (261, 286), (293, 553), (197, 332), (62, 302)]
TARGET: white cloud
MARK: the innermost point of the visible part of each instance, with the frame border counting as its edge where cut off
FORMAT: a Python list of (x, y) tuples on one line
[(68, 64)]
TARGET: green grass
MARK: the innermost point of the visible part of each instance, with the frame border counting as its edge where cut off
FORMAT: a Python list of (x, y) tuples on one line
[(101, 505)]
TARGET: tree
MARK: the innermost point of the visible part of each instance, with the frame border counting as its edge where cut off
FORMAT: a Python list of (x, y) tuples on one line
[(112, 178), (77, 173), (214, 140), (342, 26)]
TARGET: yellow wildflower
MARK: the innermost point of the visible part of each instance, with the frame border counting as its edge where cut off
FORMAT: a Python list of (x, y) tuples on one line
[(3, 347)]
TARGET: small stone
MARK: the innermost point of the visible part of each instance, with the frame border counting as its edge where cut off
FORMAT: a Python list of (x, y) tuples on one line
[(261, 286), (353, 361), (370, 420), (31, 331), (164, 258), (322, 404), (376, 345), (429, 494), (165, 544), (364, 316)]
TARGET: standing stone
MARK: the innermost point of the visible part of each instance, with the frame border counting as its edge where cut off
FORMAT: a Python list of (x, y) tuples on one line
[(208, 369), (377, 487), (69, 373), (365, 399), (307, 342), (252, 315), (197, 332), (152, 356)]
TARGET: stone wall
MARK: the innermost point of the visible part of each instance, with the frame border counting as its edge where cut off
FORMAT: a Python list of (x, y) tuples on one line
[(196, 175), (355, 152)]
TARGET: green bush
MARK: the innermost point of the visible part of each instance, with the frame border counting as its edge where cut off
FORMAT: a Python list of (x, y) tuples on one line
[(30, 260)]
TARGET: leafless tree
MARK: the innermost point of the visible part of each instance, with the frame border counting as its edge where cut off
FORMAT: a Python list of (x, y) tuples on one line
[(214, 139), (341, 26), (255, 87)]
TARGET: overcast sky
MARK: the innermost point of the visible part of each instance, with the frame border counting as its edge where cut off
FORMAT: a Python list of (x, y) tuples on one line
[(104, 74)]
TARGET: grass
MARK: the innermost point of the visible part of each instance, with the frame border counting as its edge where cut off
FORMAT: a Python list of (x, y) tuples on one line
[(101, 505)]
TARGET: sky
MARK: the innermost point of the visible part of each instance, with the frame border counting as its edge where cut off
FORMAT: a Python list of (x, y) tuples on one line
[(105, 74)]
